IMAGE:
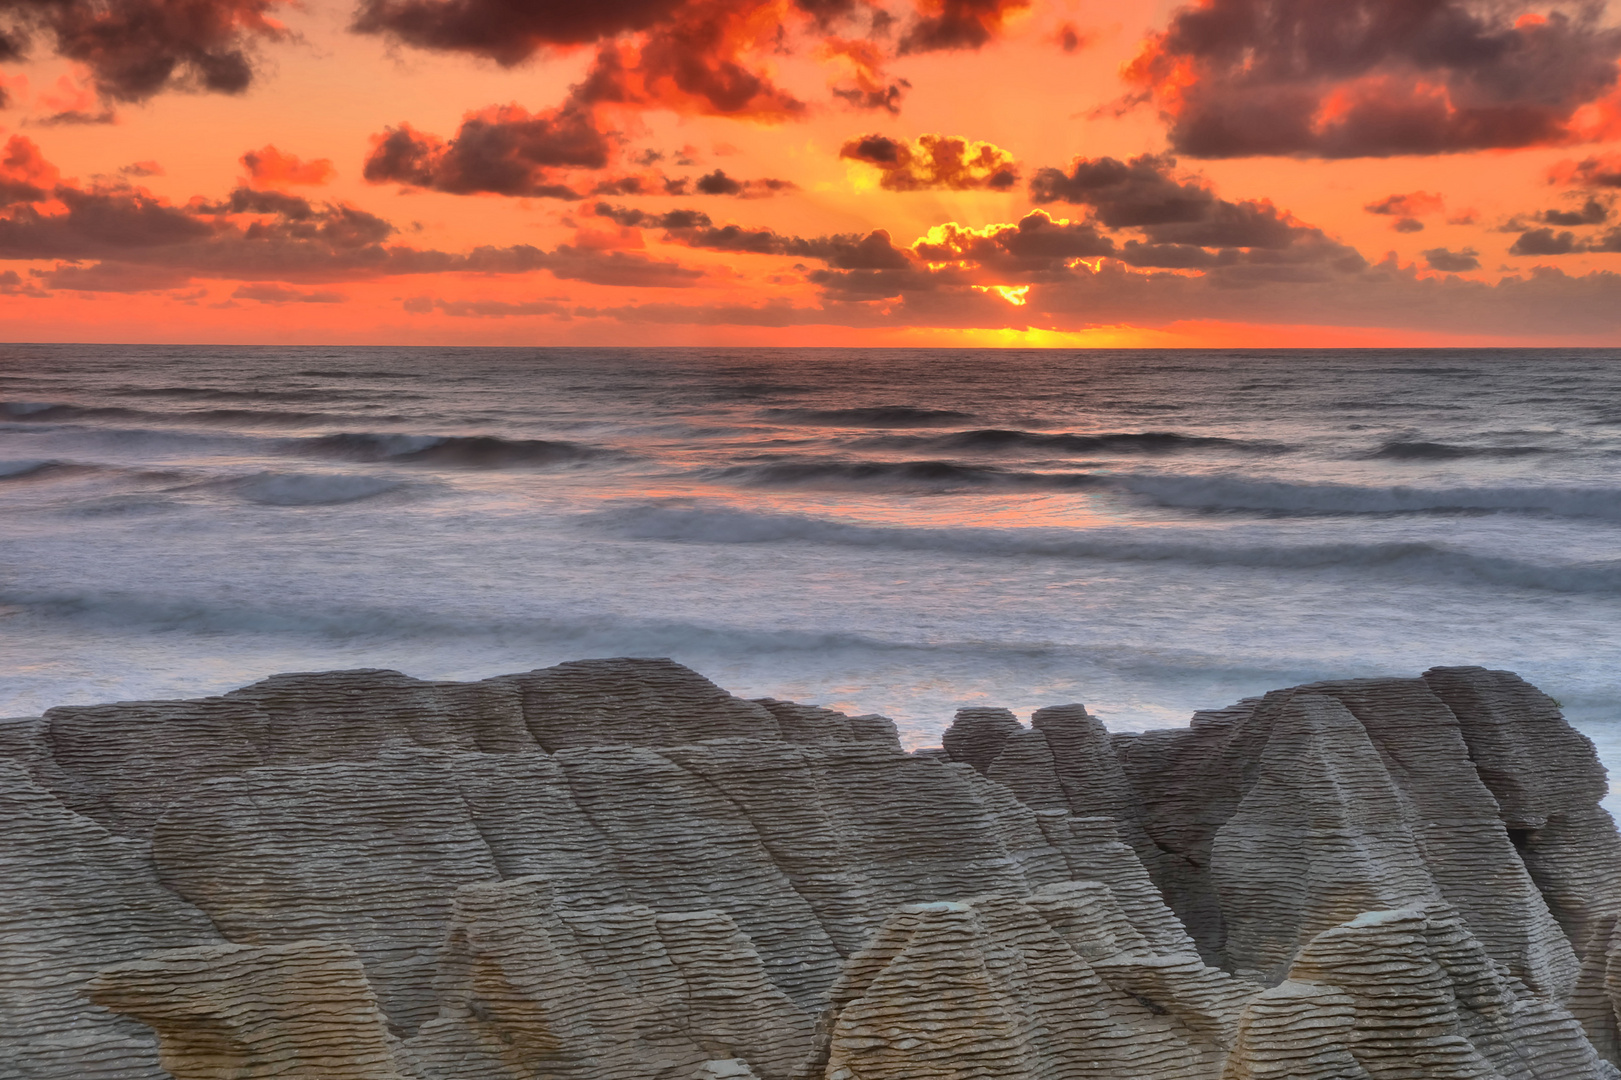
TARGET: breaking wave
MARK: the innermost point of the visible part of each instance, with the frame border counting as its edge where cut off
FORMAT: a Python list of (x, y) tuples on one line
[(1219, 493), (306, 489), (455, 451), (1399, 450)]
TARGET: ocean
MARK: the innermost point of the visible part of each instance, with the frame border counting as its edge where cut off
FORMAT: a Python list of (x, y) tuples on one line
[(893, 531)]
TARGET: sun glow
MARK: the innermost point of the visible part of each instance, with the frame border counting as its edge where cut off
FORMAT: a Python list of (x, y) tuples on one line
[(1013, 294)]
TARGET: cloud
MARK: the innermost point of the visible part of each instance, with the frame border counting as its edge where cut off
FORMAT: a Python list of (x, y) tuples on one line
[(1139, 192), (141, 169), (1407, 209), (1072, 39), (507, 31), (867, 86), (1373, 78), (1037, 243), (1543, 242), (502, 150), (718, 183), (135, 241), (1591, 212), (845, 251), (934, 161), (1593, 172), (278, 294), (957, 24), (269, 167), (1184, 225), (695, 66), (633, 218), (1413, 204), (1452, 262), (134, 49), (692, 56)]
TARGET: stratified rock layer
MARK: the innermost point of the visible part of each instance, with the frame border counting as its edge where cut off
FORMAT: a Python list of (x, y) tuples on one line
[(614, 870)]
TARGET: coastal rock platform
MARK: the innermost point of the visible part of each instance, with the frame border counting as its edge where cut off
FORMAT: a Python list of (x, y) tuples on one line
[(615, 870)]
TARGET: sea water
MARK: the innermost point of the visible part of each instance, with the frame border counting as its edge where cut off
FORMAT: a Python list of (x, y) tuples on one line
[(893, 531)]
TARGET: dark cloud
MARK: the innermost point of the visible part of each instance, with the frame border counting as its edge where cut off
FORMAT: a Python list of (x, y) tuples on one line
[(142, 169), (121, 238), (1452, 262), (1592, 212), (1130, 194), (137, 48), (844, 251), (1408, 225), (934, 161), (670, 219), (502, 150), (1359, 78), (718, 183), (957, 24), (1548, 242), (1178, 214), (1594, 172), (1037, 243), (507, 31), (1544, 242), (704, 59)]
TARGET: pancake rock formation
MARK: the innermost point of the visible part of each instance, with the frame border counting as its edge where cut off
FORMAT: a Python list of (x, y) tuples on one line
[(615, 870)]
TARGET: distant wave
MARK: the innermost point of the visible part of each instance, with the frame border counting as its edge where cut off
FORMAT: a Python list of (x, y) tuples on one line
[(1399, 450), (727, 526), (1278, 497), (32, 470), (995, 439), (938, 475), (456, 451), (874, 416), (48, 412), (56, 469), (305, 489)]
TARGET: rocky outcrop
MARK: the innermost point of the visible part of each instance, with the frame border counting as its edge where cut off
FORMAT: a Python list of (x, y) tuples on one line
[(1266, 822), (614, 870)]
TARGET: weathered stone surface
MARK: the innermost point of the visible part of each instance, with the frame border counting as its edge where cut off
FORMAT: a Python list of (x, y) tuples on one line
[(73, 899), (614, 870), (990, 987), (623, 993), (1193, 783), (301, 1011)]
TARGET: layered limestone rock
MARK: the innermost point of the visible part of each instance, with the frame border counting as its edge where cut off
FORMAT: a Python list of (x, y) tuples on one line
[(1024, 989), (302, 1011), (73, 899), (1266, 822), (623, 992), (614, 870)]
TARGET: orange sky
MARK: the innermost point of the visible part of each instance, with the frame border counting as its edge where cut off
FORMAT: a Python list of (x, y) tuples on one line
[(974, 172)]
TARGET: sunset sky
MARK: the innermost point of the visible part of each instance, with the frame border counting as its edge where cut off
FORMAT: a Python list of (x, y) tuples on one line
[(928, 172)]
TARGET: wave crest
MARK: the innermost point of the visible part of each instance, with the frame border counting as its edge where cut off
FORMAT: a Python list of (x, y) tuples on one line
[(454, 451)]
